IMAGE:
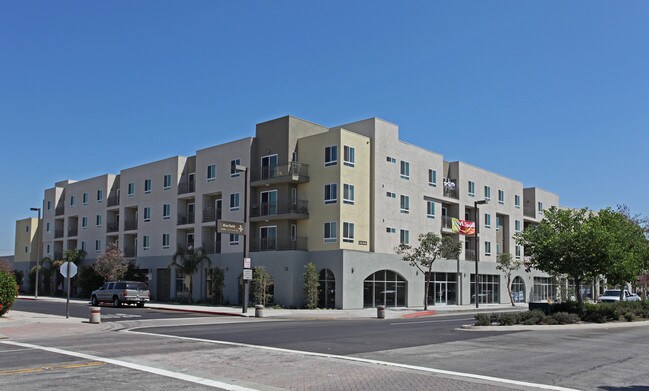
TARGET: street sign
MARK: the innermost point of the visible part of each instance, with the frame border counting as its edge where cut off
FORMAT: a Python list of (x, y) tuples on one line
[(230, 227), (64, 269), (247, 274), (246, 263)]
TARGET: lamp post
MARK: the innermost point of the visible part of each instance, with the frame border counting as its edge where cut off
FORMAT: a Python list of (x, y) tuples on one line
[(38, 248), (246, 283), (477, 246)]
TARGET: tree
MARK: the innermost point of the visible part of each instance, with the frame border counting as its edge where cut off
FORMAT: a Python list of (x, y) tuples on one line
[(261, 285), (430, 248), (47, 269), (218, 283), (567, 241), (8, 291), (189, 260), (508, 265), (112, 264), (311, 285)]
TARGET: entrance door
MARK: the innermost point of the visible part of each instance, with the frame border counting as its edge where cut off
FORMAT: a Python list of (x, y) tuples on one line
[(440, 292), (163, 285), (268, 166)]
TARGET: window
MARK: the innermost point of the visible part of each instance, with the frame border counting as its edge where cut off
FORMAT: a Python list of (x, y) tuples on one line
[(98, 245), (99, 219), (487, 220), (49, 250), (405, 204), (471, 188), (348, 194), (391, 194), (518, 252), (405, 170), (146, 242), (330, 230), (348, 232), (165, 241), (211, 172), (391, 160), (131, 189), (488, 288), (72, 200), (49, 205), (497, 249), (517, 201), (234, 202), (233, 168), (166, 182), (331, 155), (234, 239), (348, 156), (47, 227), (100, 195), (430, 209), (487, 248), (84, 223), (331, 193), (501, 197), (293, 232), (432, 178), (84, 198), (27, 228), (487, 193), (540, 207), (269, 166), (147, 186), (404, 236), (147, 213), (83, 245), (166, 211), (390, 230), (517, 225)]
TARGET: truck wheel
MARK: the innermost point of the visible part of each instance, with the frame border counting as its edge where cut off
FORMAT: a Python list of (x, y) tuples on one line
[(140, 304), (116, 302), (94, 301)]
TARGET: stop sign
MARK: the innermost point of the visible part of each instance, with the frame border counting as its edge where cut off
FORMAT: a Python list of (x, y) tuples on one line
[(64, 269)]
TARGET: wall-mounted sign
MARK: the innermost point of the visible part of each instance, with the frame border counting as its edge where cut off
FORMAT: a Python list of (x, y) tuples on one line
[(362, 242), (230, 227)]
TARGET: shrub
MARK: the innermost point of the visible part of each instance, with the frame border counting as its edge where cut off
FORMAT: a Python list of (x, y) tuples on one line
[(507, 318), (565, 318), (600, 313), (483, 320), (8, 291), (532, 317), (566, 306), (629, 316)]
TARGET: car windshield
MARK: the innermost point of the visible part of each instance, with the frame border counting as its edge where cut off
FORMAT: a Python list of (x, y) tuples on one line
[(612, 293), (136, 285)]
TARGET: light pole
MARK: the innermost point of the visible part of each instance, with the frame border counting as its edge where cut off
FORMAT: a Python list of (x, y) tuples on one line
[(246, 283), (477, 246), (38, 248)]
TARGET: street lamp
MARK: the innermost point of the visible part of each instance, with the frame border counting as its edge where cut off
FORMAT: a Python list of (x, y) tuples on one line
[(246, 283), (38, 248), (477, 246)]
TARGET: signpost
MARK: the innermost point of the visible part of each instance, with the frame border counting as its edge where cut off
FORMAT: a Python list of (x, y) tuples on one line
[(231, 227), (68, 270), (247, 274), (238, 228)]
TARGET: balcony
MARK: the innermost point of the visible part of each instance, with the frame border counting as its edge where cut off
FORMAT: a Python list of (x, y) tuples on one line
[(293, 172), (59, 211), (113, 201), (130, 252), (211, 214), (212, 247), (187, 187), (73, 231), (112, 227), (58, 233), (447, 222), (57, 255), (274, 211), (278, 244), (130, 225), (469, 254), (186, 218)]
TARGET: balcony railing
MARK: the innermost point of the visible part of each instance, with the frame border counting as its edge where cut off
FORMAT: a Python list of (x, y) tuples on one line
[(113, 201), (59, 211), (73, 231), (211, 214), (130, 252), (447, 222), (278, 244), (130, 225), (185, 218), (112, 227), (270, 209), (187, 187), (469, 254), (58, 233), (294, 171), (451, 192), (212, 247), (57, 255)]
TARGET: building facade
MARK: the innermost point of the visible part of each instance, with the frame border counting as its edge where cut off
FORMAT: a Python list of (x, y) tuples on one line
[(343, 198)]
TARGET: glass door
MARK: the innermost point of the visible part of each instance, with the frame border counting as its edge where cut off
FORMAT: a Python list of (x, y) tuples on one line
[(268, 167)]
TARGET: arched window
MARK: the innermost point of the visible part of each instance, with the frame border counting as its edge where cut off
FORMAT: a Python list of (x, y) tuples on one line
[(518, 290), (327, 295), (385, 287)]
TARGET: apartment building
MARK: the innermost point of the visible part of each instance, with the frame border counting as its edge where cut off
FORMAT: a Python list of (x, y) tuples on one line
[(343, 198)]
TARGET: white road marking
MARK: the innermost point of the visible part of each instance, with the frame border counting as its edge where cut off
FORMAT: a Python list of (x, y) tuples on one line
[(138, 367), (369, 361), (430, 321)]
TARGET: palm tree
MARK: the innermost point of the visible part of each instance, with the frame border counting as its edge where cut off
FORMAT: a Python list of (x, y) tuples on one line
[(188, 260), (47, 267)]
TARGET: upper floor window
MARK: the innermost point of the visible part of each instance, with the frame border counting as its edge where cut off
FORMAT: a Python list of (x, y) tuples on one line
[(99, 220), (405, 170), (498, 223), (147, 213), (517, 200), (331, 193), (166, 211), (348, 194), (391, 194), (405, 204), (331, 155), (211, 172), (432, 178), (349, 158), (84, 222), (487, 193), (487, 220), (147, 186), (84, 198), (487, 248), (391, 160), (233, 168), (501, 196), (234, 239), (540, 207), (348, 232), (517, 225), (146, 242), (518, 252), (49, 205), (330, 231), (130, 190), (47, 227), (98, 245), (100, 195), (430, 208), (404, 236), (72, 200), (166, 182), (165, 241), (234, 202), (471, 188)]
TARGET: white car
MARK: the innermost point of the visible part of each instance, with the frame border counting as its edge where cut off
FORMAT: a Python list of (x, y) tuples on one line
[(613, 295)]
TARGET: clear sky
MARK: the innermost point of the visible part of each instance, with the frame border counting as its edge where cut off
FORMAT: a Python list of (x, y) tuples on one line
[(552, 93)]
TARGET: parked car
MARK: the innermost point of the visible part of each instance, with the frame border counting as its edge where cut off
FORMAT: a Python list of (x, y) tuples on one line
[(613, 295), (121, 292)]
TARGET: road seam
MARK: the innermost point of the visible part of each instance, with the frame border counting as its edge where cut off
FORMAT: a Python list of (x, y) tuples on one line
[(368, 361)]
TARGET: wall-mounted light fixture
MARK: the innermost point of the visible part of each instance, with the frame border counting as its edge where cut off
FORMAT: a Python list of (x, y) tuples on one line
[(352, 270), (285, 268)]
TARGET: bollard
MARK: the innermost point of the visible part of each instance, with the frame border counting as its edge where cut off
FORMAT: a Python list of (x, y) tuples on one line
[(380, 311), (259, 311), (95, 315)]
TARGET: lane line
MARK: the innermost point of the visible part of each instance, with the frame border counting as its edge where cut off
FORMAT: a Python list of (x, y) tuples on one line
[(49, 368), (138, 367), (367, 361), (430, 321)]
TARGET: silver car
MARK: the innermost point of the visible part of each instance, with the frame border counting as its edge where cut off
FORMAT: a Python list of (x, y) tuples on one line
[(121, 292), (613, 295)]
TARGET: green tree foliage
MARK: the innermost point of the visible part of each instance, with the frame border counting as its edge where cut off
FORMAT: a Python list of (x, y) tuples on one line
[(218, 283), (431, 247), (89, 280), (8, 291), (262, 284), (112, 264), (189, 261), (47, 270), (311, 285), (507, 264)]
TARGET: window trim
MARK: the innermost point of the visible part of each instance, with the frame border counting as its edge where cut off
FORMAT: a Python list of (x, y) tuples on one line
[(236, 195), (405, 175), (352, 154), (211, 169), (349, 189), (349, 227), (333, 230), (328, 192), (405, 209), (334, 160)]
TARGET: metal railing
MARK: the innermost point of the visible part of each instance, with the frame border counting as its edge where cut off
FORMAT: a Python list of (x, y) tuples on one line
[(130, 225), (293, 170), (269, 209), (451, 192), (112, 227), (212, 247), (278, 244), (211, 214), (186, 187), (130, 252), (469, 254), (447, 222), (113, 201), (58, 233), (186, 218), (73, 231), (59, 211)]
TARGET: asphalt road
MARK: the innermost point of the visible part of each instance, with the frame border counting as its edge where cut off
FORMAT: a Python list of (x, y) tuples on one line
[(108, 313)]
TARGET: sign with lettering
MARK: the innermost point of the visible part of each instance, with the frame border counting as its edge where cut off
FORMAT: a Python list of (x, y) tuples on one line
[(230, 227)]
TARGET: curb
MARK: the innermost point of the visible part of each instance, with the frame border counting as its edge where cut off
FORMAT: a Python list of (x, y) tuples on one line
[(197, 311), (419, 314)]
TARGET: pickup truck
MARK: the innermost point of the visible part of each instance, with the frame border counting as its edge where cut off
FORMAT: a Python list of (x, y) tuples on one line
[(121, 292), (613, 295)]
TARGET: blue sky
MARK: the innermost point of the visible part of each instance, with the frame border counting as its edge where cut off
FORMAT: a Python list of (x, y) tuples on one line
[(554, 94)]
